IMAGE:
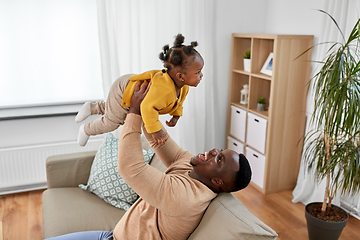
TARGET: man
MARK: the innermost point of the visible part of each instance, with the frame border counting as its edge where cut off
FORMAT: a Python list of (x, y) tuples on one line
[(171, 204)]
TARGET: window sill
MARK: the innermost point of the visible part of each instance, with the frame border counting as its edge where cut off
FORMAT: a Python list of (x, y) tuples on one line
[(39, 111)]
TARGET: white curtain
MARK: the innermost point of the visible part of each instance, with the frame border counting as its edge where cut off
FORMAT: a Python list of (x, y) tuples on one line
[(346, 13), (132, 34)]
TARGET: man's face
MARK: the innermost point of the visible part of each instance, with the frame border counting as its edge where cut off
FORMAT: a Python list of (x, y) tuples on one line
[(216, 163)]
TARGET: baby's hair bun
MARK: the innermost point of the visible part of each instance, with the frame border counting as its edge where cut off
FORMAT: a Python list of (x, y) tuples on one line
[(179, 40), (166, 48), (162, 55), (194, 44)]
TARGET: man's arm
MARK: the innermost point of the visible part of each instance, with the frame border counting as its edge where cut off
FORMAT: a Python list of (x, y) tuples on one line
[(154, 186), (169, 152), (142, 178)]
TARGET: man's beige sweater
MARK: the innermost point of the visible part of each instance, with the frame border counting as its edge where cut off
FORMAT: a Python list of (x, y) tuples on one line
[(171, 204)]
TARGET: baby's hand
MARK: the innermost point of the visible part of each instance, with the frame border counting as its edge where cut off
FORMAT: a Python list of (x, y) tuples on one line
[(172, 121), (159, 137)]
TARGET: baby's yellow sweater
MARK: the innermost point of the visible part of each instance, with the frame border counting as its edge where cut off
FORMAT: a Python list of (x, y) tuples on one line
[(161, 98)]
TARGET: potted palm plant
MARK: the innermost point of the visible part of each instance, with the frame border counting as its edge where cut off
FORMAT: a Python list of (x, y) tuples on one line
[(332, 148)]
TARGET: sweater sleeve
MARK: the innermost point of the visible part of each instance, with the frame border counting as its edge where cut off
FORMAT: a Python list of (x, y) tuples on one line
[(141, 177), (169, 152), (157, 99), (178, 112), (155, 187)]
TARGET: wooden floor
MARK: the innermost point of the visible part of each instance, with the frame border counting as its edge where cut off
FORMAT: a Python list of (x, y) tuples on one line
[(287, 219), (20, 215)]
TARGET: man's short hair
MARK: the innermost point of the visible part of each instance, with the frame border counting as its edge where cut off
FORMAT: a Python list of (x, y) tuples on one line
[(243, 176)]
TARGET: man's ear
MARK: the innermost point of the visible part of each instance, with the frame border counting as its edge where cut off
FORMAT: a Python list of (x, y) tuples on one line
[(217, 182)]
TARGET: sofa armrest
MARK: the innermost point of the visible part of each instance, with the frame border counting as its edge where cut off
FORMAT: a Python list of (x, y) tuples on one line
[(69, 170)]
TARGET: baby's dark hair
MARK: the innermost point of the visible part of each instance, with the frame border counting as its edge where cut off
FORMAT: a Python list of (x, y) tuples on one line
[(243, 176), (178, 55)]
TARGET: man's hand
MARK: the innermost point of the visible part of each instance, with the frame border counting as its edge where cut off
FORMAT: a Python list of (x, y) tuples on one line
[(138, 96)]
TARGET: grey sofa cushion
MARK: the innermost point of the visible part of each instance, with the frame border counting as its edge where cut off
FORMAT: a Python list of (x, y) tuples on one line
[(72, 209), (69, 170)]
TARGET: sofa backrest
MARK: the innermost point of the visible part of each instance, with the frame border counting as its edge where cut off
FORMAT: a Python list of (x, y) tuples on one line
[(157, 163), (231, 220)]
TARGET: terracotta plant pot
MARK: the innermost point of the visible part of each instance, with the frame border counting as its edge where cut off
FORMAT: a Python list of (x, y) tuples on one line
[(323, 230)]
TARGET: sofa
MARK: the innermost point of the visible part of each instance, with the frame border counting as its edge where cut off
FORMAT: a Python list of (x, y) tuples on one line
[(67, 208)]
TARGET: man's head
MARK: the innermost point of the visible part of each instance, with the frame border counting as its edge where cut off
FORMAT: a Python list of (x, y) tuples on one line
[(221, 170)]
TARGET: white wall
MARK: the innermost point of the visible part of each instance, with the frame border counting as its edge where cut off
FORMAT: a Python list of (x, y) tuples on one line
[(294, 16), (241, 16), (232, 16)]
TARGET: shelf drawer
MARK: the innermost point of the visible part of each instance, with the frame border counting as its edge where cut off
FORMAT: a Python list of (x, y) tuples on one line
[(235, 145), (238, 123), (257, 163), (256, 132)]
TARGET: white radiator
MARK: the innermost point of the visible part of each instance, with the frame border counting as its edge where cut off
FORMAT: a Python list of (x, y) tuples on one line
[(23, 168), (351, 204)]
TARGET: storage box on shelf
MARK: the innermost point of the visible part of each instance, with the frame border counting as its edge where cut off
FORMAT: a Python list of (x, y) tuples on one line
[(235, 145), (270, 139)]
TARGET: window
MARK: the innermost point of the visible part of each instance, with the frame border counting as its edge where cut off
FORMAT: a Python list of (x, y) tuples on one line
[(49, 53)]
